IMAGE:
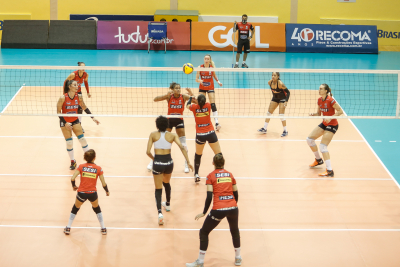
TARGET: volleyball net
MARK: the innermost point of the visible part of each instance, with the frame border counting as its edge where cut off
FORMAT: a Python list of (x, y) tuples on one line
[(130, 91)]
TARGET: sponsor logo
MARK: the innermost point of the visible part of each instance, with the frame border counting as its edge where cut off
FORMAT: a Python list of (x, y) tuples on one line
[(176, 106), (324, 109), (229, 37), (385, 34), (203, 125), (157, 31), (308, 35), (89, 175), (225, 197), (72, 107), (206, 83), (205, 76), (224, 180), (203, 114), (88, 169), (136, 37), (223, 174), (76, 101)]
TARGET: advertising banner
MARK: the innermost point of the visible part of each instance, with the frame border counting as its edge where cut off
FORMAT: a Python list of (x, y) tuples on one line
[(319, 38), (133, 35), (111, 17), (388, 30), (218, 36), (12, 17)]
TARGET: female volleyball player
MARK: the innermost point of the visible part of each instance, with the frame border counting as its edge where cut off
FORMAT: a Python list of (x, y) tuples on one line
[(222, 185), (204, 131), (163, 164), (280, 97), (80, 76), (326, 106), (206, 80), (89, 173), (68, 104), (176, 105)]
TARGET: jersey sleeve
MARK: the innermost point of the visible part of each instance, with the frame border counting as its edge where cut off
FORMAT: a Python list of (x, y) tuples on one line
[(191, 108), (209, 179), (333, 101), (233, 179), (80, 168), (101, 171)]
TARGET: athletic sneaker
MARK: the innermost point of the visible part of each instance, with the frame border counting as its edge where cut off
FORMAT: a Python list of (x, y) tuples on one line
[(73, 165), (317, 162), (196, 178), (327, 173), (262, 130), (236, 65), (218, 126), (197, 263), (160, 219), (103, 231), (67, 230), (150, 166), (238, 261), (186, 167), (285, 133), (167, 208), (244, 65)]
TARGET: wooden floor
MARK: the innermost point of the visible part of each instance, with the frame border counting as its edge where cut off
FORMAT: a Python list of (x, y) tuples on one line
[(288, 216)]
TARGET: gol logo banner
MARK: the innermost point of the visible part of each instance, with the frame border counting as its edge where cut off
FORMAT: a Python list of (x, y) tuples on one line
[(218, 36)]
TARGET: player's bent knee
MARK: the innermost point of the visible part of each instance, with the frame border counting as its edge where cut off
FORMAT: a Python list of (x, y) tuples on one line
[(323, 148), (282, 119), (70, 144), (311, 142), (213, 107), (235, 234), (203, 235), (97, 209)]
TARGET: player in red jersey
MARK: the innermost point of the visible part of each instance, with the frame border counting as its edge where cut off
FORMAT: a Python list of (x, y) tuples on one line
[(280, 97), (80, 76), (206, 80), (327, 106), (69, 104), (176, 106), (204, 131), (243, 40), (222, 185), (89, 173)]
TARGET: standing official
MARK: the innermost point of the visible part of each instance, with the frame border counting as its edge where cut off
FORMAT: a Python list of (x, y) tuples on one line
[(243, 39)]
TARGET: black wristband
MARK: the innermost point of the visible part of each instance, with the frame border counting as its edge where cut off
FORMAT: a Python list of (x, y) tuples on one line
[(236, 195), (73, 183), (88, 112), (62, 120), (208, 202), (106, 188), (189, 101)]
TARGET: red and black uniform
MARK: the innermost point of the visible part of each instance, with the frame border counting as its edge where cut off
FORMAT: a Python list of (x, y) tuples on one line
[(224, 205), (208, 80), (279, 95), (327, 109), (176, 106), (80, 80), (204, 128), (244, 33), (70, 106), (87, 188)]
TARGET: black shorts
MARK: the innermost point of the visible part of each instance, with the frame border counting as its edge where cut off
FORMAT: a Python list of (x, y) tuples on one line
[(277, 100), (176, 122), (243, 43), (329, 128), (163, 164), (202, 138), (83, 196), (80, 110), (206, 91), (72, 123)]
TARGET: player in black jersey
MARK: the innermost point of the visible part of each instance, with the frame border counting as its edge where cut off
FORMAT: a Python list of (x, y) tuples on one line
[(280, 97)]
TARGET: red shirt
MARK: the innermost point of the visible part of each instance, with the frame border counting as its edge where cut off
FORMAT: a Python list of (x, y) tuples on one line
[(222, 182), (89, 174), (176, 105), (244, 29), (70, 106), (202, 117), (327, 109), (207, 78), (80, 80)]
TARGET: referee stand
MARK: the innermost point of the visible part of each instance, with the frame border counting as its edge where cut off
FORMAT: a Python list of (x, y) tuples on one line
[(157, 31)]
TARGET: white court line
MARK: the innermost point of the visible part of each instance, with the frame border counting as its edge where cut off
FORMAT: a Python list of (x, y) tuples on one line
[(187, 177), (146, 138), (4, 109), (180, 229)]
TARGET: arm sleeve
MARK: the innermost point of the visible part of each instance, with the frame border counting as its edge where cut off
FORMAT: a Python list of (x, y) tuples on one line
[(236, 195), (87, 86), (287, 94), (208, 202), (251, 27)]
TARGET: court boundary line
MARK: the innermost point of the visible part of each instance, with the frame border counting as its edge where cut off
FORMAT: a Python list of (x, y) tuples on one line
[(9, 102), (187, 177), (182, 229)]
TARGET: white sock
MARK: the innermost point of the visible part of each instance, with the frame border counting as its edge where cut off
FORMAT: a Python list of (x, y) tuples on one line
[(202, 255), (237, 252), (71, 154), (215, 113), (244, 61), (284, 128), (71, 219), (328, 164), (80, 119), (237, 62), (265, 125), (317, 156), (100, 218)]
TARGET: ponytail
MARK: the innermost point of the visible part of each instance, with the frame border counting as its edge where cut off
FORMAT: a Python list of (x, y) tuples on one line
[(172, 85), (328, 89), (201, 100), (66, 85)]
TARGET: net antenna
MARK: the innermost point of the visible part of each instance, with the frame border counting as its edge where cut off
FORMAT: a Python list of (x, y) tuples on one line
[(234, 42)]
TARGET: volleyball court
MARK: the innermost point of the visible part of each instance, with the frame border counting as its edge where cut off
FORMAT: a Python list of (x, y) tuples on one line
[(288, 215)]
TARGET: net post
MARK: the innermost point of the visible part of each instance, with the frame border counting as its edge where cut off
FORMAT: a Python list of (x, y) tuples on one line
[(398, 96)]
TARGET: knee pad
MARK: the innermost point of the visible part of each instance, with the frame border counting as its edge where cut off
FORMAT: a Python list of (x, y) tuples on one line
[(213, 107), (310, 142), (282, 119), (235, 234), (70, 144), (203, 235), (269, 114), (183, 140), (323, 148), (97, 209), (82, 140), (74, 210)]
